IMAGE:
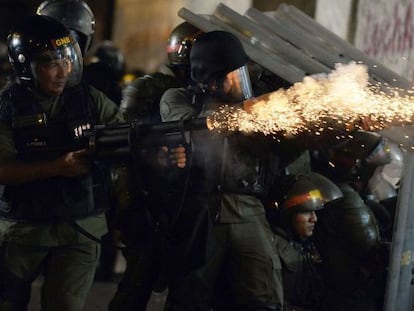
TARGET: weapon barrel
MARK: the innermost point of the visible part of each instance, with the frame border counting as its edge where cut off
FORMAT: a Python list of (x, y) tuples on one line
[(117, 141), (115, 153), (113, 140), (171, 126)]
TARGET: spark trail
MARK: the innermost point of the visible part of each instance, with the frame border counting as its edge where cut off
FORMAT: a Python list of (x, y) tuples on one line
[(338, 100)]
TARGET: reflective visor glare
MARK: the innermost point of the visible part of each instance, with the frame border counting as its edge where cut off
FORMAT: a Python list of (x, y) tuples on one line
[(75, 55), (237, 84), (184, 48), (67, 58), (61, 64), (55, 55), (381, 155)]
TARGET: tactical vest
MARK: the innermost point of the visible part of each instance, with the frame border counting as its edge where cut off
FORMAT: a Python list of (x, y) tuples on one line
[(234, 164), (55, 199)]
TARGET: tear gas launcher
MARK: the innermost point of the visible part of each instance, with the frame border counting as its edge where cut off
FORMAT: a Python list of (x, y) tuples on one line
[(109, 143), (120, 141)]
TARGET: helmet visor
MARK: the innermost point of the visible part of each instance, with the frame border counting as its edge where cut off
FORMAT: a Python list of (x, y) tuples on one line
[(304, 202), (179, 52), (379, 187), (58, 68), (236, 84), (380, 155)]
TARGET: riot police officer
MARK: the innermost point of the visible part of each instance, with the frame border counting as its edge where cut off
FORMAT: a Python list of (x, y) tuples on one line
[(228, 174), (293, 223), (51, 190), (53, 194), (141, 98), (144, 226), (79, 18), (348, 236)]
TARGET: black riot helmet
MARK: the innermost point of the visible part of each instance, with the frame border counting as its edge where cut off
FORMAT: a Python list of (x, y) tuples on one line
[(353, 158), (219, 63), (359, 154), (76, 15), (39, 40), (179, 44), (108, 53)]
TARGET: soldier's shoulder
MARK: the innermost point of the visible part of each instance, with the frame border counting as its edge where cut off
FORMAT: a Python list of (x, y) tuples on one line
[(166, 70), (157, 80), (176, 93)]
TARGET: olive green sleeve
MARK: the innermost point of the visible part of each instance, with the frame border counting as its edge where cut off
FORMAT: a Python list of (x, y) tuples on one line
[(175, 105), (108, 111)]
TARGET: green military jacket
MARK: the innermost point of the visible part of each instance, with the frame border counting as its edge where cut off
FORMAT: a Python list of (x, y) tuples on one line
[(234, 208)]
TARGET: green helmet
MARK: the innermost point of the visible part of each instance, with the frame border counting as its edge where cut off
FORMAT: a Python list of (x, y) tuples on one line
[(350, 222), (302, 196), (330, 192)]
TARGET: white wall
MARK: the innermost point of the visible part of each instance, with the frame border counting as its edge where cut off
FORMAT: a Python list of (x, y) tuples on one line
[(334, 15), (208, 6), (385, 31)]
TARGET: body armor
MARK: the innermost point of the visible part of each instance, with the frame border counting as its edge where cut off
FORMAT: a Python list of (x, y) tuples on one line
[(57, 198)]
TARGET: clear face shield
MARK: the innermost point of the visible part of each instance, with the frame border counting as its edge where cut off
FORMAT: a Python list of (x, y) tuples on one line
[(235, 87), (65, 61), (365, 168), (83, 40), (386, 180), (380, 155), (379, 187)]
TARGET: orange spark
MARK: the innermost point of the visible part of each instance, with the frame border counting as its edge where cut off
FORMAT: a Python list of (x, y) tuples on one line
[(338, 100)]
